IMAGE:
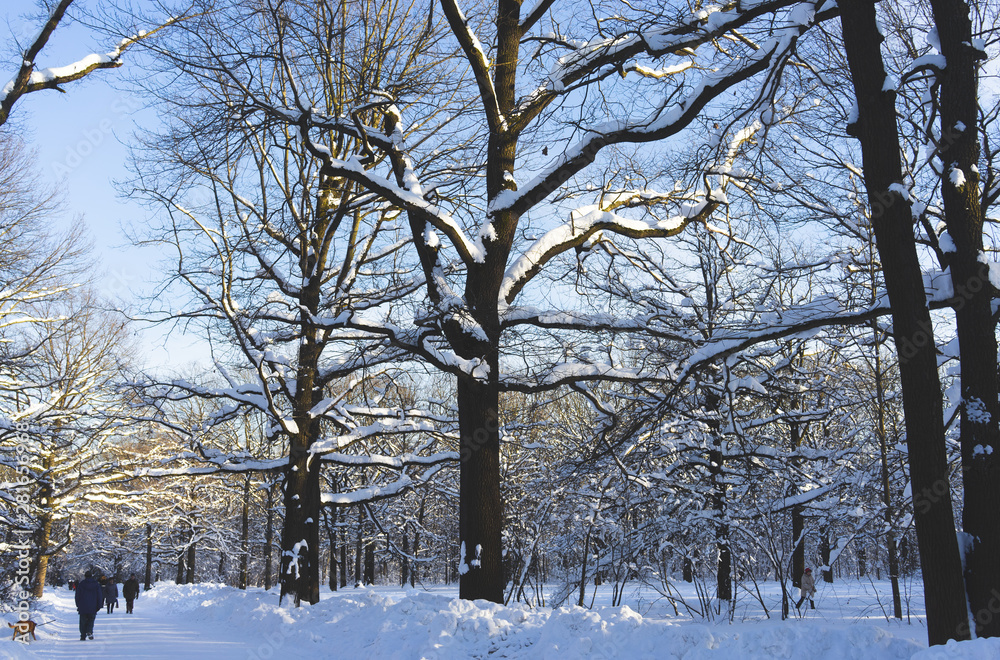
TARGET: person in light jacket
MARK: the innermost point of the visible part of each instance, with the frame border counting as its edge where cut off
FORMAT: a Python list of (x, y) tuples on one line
[(808, 589)]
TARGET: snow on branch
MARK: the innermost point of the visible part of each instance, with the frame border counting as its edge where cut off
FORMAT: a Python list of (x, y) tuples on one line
[(29, 78), (408, 200), (478, 61), (584, 224), (670, 117), (381, 491)]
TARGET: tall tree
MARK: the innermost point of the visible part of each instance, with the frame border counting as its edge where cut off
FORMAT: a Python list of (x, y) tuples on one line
[(892, 221), (277, 252), (964, 208), (473, 263)]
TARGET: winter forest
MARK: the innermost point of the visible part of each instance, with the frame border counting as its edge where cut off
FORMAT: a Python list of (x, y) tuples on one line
[(540, 300)]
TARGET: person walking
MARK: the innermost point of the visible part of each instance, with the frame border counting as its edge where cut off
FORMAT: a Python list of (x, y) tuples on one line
[(89, 598), (130, 590), (807, 588), (111, 594)]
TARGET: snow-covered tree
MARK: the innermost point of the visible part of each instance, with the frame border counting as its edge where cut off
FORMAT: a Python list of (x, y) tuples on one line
[(66, 413), (277, 253)]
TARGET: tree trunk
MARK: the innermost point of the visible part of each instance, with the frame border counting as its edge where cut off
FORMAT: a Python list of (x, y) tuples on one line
[(268, 537), (245, 535), (914, 335), (719, 491), (480, 503), (824, 553), (180, 568), (149, 557), (358, 550), (798, 520), (370, 563), (405, 567), (299, 574), (975, 325), (330, 516), (343, 549), (416, 542), (191, 554), (41, 542)]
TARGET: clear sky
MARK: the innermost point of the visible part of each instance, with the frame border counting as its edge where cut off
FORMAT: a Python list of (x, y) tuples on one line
[(80, 140)]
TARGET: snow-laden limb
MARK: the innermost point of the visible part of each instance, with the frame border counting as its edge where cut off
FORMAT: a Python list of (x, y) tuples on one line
[(804, 320), (377, 428), (584, 223), (215, 468), (469, 250), (395, 462), (404, 483), (478, 61), (670, 117), (29, 78), (800, 499), (425, 343)]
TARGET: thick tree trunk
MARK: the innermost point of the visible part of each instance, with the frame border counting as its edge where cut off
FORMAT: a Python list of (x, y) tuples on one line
[(893, 225), (976, 327), (180, 568), (480, 516), (300, 534), (719, 493), (416, 542), (41, 542), (358, 550), (330, 519), (343, 548)]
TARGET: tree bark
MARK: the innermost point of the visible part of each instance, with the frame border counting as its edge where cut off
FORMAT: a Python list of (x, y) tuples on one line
[(245, 535), (976, 327), (893, 226), (370, 563), (268, 537), (480, 504), (149, 557), (192, 552), (824, 553), (798, 520)]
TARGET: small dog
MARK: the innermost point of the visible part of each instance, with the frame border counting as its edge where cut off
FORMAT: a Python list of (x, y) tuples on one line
[(23, 628)]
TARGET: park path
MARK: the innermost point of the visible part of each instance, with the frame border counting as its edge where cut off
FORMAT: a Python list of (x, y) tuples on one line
[(147, 633)]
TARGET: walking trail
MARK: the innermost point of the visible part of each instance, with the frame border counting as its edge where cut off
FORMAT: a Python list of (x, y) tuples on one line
[(149, 632)]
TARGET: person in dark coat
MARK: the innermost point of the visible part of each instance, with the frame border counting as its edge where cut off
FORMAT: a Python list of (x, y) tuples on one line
[(89, 598), (111, 594), (130, 590)]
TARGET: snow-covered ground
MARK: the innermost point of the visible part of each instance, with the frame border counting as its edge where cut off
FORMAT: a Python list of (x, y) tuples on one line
[(222, 623)]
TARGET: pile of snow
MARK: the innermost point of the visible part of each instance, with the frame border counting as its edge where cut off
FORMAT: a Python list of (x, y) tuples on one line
[(220, 622)]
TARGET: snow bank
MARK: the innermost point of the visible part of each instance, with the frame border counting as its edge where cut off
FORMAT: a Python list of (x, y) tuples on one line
[(393, 624)]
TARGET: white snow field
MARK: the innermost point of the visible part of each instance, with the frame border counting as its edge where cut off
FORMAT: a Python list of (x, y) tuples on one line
[(222, 623)]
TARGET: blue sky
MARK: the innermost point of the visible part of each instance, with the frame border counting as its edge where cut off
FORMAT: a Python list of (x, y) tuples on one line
[(80, 140)]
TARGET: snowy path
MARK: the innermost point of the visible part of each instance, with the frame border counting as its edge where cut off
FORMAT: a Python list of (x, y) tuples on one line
[(147, 633)]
